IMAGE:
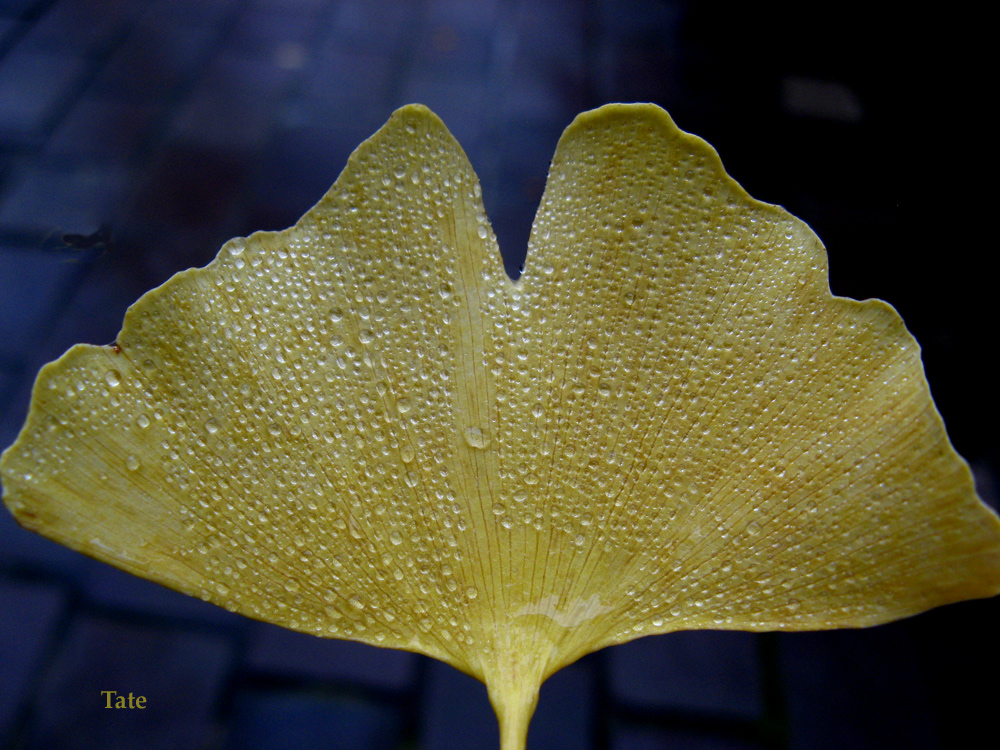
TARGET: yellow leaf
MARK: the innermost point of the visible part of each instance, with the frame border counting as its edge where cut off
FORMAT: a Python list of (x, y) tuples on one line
[(361, 428)]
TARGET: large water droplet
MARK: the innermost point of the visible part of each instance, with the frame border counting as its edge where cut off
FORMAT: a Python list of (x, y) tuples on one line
[(475, 438)]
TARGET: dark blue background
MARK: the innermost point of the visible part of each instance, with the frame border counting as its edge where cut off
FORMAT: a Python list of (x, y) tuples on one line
[(181, 123)]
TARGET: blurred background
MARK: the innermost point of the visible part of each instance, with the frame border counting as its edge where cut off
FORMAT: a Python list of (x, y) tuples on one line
[(138, 135)]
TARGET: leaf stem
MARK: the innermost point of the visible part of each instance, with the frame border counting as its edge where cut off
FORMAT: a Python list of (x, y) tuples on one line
[(514, 706)]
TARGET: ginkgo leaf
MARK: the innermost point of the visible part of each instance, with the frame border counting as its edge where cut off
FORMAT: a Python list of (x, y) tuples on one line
[(361, 428)]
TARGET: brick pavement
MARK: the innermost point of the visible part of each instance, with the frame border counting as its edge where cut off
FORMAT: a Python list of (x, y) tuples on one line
[(182, 123)]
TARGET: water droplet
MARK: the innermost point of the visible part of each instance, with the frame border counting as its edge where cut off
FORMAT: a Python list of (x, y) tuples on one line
[(132, 463), (112, 378), (406, 453), (754, 528), (396, 538), (356, 602), (143, 421), (403, 405), (471, 592), (212, 426), (411, 479), (475, 438), (482, 232)]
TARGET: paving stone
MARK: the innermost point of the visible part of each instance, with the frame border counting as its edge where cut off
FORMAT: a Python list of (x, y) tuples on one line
[(20, 548), (319, 7), (536, 93), (233, 106), (702, 671), (297, 167), (455, 712), (186, 208), (563, 719), (345, 88), (857, 689), (637, 71), (513, 192), (16, 8), (282, 652), (154, 60), (34, 85), (33, 285), (550, 45), (511, 219), (458, 100), (43, 201), (659, 19), (179, 673), (100, 130), (464, 13), (106, 585), (384, 30), (278, 34), (83, 27), (285, 720), (8, 28), (190, 186), (10, 375), (92, 314), (28, 619), (658, 738), (444, 46), (202, 12)]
